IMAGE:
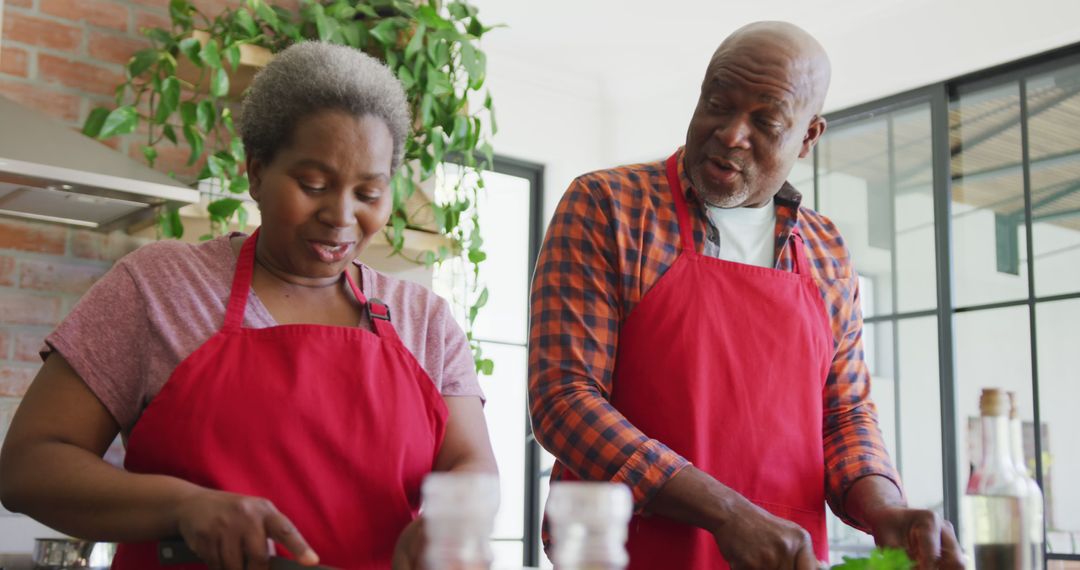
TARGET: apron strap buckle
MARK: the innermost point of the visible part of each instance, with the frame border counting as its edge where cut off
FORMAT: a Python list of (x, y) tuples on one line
[(378, 310)]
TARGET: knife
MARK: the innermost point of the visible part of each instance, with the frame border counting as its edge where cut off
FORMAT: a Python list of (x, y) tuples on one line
[(174, 551)]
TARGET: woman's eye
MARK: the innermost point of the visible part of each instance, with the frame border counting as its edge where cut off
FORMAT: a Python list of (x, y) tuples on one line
[(367, 198), (310, 187)]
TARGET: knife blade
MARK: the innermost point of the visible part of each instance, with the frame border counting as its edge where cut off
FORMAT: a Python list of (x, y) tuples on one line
[(175, 551)]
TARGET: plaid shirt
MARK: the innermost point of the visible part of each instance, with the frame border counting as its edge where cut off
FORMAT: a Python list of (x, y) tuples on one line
[(612, 237)]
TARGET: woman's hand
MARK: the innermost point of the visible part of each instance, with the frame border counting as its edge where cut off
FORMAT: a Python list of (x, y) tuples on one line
[(409, 551), (232, 532)]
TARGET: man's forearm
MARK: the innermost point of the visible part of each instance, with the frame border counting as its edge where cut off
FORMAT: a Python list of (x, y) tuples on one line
[(695, 498), (869, 497)]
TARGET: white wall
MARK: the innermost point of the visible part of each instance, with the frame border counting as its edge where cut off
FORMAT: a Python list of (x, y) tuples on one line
[(561, 121)]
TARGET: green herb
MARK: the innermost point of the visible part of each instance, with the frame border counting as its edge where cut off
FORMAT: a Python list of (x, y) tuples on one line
[(880, 559)]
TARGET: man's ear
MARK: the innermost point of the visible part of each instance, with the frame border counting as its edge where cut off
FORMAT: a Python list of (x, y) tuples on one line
[(813, 135)]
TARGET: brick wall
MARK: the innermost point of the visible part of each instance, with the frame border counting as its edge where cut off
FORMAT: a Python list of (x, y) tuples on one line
[(44, 269), (64, 57)]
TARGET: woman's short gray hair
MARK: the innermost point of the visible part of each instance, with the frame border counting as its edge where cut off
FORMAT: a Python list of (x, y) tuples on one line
[(309, 77)]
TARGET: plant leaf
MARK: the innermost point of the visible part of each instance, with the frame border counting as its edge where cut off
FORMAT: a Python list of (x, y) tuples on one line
[(385, 32), (266, 14), (211, 54), (224, 207), (120, 121), (170, 99), (232, 55), (205, 115), (180, 12), (430, 18), (189, 113), (246, 22), (169, 133), (195, 141), (141, 61), (219, 83), (351, 33), (170, 224), (94, 122), (416, 43), (158, 35), (191, 48), (150, 154), (239, 185)]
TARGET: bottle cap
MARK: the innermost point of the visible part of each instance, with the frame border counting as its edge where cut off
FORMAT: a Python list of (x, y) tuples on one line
[(590, 502), (993, 402), (453, 495)]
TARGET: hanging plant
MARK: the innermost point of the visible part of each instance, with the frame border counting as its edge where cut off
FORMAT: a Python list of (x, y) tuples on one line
[(178, 92)]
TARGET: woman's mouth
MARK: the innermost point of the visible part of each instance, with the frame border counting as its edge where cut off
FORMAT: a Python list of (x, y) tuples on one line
[(330, 251)]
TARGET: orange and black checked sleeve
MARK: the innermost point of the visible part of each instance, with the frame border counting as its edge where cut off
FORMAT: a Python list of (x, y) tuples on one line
[(577, 309), (612, 237)]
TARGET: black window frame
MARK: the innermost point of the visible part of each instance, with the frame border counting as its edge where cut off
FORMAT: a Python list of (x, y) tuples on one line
[(939, 95)]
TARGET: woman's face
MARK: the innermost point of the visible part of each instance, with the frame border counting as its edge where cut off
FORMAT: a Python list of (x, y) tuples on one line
[(323, 196)]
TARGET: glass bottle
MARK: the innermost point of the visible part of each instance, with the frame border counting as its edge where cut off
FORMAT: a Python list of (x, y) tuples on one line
[(589, 525), (995, 494), (459, 516), (1033, 500)]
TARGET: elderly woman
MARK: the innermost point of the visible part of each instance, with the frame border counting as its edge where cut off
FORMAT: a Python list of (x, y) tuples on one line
[(263, 390)]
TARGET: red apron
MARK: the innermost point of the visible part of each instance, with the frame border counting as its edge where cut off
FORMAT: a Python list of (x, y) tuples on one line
[(725, 363), (337, 426)]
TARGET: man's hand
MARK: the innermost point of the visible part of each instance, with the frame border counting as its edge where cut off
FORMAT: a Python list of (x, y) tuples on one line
[(760, 540), (748, 536), (928, 539), (409, 551)]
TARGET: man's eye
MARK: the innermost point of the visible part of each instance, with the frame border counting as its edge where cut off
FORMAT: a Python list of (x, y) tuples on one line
[(770, 124)]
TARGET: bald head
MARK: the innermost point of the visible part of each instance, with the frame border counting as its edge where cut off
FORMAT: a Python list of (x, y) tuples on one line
[(783, 49)]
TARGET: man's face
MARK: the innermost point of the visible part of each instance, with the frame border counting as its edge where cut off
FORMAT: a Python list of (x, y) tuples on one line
[(751, 124)]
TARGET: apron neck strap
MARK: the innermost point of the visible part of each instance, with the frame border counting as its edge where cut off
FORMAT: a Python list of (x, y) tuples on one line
[(241, 284), (802, 266), (378, 312), (686, 230)]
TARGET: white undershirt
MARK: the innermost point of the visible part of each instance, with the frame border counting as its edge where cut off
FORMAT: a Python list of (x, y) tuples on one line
[(746, 235)]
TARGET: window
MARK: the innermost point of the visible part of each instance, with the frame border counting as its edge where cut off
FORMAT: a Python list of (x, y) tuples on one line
[(509, 208), (960, 203)]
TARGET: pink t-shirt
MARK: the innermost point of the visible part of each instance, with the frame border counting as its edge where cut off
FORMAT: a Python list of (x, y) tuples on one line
[(160, 303)]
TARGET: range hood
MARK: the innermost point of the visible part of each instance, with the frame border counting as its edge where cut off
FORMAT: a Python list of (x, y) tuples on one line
[(51, 173)]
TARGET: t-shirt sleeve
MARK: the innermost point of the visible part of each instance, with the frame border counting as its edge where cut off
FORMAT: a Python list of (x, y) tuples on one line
[(458, 368), (103, 340)]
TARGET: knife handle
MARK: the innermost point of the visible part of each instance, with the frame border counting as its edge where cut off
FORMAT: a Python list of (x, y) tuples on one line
[(174, 551)]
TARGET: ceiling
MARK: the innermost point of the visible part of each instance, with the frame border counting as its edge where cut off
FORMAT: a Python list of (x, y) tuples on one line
[(643, 50)]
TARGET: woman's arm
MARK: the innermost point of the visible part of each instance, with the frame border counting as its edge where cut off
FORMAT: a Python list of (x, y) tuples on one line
[(51, 469), (51, 466), (466, 446)]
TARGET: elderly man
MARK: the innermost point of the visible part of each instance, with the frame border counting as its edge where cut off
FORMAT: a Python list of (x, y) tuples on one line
[(696, 335)]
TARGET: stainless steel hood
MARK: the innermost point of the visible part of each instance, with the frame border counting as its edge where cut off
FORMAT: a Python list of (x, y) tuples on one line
[(49, 172)]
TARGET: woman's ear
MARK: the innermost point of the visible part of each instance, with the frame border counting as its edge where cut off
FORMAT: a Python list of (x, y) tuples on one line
[(254, 172)]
